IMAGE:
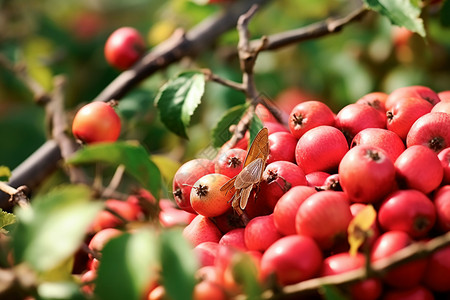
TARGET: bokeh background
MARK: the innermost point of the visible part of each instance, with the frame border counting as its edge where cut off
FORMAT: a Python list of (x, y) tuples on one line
[(54, 37)]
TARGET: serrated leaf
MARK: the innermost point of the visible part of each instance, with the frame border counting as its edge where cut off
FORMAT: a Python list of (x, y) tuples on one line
[(178, 266), (444, 14), (221, 132), (360, 228), (129, 264), (6, 219), (134, 157), (53, 227), (255, 126), (5, 173), (178, 99), (405, 13)]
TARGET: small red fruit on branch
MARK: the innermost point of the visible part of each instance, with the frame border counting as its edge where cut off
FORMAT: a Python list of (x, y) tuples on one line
[(96, 122)]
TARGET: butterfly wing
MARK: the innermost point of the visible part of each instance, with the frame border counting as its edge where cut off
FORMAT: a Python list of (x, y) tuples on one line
[(259, 147), (228, 185), (250, 174), (244, 195)]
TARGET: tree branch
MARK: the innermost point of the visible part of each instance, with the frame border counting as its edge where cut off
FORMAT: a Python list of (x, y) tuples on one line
[(45, 159), (412, 252)]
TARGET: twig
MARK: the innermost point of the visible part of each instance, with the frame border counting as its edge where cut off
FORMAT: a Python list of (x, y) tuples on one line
[(17, 196), (114, 183), (223, 81), (67, 145), (315, 30), (191, 43), (412, 252)]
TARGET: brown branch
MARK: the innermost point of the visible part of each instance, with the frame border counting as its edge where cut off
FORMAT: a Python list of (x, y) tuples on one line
[(223, 81), (377, 269), (36, 167), (60, 128), (315, 30)]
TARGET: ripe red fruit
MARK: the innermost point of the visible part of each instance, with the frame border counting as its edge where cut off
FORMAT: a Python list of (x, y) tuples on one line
[(444, 157), (307, 115), (200, 230), (366, 174), (105, 219), (383, 138), (332, 182), (287, 206), (418, 167), (444, 96), (206, 197), (184, 179), (404, 113), (414, 293), (353, 118), (376, 100), (230, 162), (260, 233), (320, 149), (124, 47), (282, 259), (442, 107), (410, 211), (288, 98), (281, 147), (101, 238), (324, 216), (316, 178), (437, 273), (234, 238), (96, 122), (430, 130), (206, 253), (172, 216), (206, 290), (369, 289), (277, 179), (442, 203), (415, 91), (404, 276)]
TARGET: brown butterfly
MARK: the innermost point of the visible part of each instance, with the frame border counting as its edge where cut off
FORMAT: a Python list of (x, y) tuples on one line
[(251, 174)]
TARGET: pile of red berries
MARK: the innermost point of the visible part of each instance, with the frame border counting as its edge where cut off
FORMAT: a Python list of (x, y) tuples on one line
[(389, 151)]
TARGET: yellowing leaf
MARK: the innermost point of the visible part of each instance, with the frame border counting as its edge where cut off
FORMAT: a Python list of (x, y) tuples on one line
[(360, 228), (5, 173)]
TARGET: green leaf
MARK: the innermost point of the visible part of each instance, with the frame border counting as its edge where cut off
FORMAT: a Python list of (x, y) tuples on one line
[(330, 292), (53, 227), (221, 132), (129, 264), (445, 14), (178, 99), (6, 219), (5, 173), (246, 273), (405, 13), (255, 126), (66, 290), (134, 157), (178, 265)]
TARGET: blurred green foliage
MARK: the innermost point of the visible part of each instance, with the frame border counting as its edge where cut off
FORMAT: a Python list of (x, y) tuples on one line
[(51, 37)]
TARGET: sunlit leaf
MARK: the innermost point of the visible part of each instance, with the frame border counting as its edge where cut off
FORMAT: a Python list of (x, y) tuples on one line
[(129, 264), (405, 13), (167, 166), (178, 265), (53, 227), (6, 219), (360, 227), (178, 99), (5, 173), (67, 290), (134, 157), (221, 132), (63, 271)]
